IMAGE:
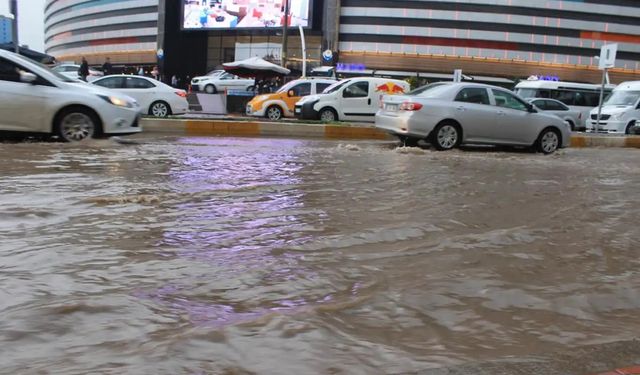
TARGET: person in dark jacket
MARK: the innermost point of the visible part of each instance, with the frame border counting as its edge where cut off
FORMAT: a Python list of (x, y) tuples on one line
[(106, 67), (84, 69)]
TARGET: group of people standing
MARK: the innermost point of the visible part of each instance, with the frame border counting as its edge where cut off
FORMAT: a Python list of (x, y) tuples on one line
[(108, 69)]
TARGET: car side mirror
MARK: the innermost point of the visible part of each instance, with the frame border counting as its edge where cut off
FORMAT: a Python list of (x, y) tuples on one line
[(291, 93), (531, 108), (27, 77)]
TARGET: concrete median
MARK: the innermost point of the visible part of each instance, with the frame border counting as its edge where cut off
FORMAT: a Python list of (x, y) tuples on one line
[(225, 127)]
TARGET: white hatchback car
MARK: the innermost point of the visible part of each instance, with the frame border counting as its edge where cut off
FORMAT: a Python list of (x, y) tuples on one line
[(211, 84), (35, 99), (155, 98)]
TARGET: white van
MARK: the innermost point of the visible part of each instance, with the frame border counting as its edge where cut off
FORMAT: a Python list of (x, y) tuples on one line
[(353, 99), (620, 112)]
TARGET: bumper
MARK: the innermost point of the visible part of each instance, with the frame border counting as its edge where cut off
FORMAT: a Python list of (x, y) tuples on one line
[(180, 108), (399, 123), (613, 127), (306, 111), (195, 87), (121, 121), (255, 112)]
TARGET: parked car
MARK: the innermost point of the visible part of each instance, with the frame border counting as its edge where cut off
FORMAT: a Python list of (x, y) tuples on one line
[(558, 108), (355, 99), (211, 84), (620, 112), (455, 113), (35, 99), (155, 98), (71, 71), (282, 102)]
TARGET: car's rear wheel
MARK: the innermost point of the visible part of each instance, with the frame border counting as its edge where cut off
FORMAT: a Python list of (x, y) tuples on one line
[(159, 109), (76, 124), (274, 113), (446, 136), (630, 127), (210, 89), (549, 141), (328, 115)]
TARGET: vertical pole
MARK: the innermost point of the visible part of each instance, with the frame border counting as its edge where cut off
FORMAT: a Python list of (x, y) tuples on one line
[(604, 77), (14, 25), (304, 52), (285, 29)]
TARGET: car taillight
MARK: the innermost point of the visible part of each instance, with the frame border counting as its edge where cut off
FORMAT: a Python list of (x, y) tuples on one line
[(181, 93), (410, 106)]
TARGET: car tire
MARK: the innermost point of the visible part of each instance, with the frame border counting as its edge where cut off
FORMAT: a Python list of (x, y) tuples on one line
[(274, 113), (548, 141), (76, 124), (328, 115), (408, 141), (159, 109), (446, 136), (629, 127), (210, 89)]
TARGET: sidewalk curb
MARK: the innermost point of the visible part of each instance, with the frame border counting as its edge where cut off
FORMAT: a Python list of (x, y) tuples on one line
[(219, 127)]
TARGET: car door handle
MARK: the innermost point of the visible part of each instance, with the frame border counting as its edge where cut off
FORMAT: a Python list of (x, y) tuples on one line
[(369, 101), (461, 108)]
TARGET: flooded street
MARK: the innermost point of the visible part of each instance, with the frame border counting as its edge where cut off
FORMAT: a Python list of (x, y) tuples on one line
[(267, 256)]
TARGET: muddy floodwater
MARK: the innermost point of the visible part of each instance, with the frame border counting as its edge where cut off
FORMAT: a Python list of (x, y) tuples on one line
[(267, 256)]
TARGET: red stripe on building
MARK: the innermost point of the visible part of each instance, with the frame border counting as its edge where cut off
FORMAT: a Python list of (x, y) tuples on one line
[(102, 42), (610, 37), (470, 43)]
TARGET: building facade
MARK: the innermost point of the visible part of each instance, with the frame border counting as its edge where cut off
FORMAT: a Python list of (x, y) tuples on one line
[(513, 38), (6, 33), (124, 30)]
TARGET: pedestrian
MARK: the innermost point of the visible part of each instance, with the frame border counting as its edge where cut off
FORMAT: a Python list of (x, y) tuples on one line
[(155, 73), (174, 81), (141, 71), (83, 72), (106, 67)]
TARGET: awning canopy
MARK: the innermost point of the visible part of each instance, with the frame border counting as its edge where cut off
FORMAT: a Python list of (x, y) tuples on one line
[(255, 67)]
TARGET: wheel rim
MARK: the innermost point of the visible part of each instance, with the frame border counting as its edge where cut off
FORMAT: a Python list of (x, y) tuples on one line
[(159, 110), (327, 116), (274, 113), (76, 127), (209, 89), (447, 136), (549, 142)]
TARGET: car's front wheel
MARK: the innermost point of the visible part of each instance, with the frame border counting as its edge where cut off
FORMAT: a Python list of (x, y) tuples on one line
[(76, 124), (159, 109), (274, 113), (446, 136), (629, 128), (210, 89), (549, 141), (328, 115)]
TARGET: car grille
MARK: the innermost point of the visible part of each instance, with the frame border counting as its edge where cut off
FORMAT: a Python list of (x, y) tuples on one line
[(602, 117)]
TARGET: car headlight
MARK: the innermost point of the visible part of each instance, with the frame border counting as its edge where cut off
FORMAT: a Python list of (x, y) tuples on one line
[(618, 116), (119, 102)]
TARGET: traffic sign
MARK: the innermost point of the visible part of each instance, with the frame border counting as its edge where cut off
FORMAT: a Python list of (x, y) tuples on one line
[(608, 56)]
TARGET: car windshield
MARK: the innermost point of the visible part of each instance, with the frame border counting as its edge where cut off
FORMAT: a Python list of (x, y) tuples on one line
[(422, 89), (434, 92), (287, 87), (527, 93), (336, 86), (215, 72), (626, 98)]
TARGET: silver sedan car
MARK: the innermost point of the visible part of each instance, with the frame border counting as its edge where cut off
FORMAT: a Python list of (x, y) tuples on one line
[(455, 113), (558, 108)]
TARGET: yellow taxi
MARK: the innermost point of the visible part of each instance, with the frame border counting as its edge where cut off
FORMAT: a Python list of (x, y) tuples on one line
[(281, 103)]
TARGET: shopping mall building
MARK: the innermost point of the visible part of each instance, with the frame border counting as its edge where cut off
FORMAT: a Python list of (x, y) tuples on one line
[(499, 38)]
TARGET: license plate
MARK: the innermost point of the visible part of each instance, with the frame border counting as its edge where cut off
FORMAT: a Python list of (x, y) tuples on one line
[(391, 107), (297, 110)]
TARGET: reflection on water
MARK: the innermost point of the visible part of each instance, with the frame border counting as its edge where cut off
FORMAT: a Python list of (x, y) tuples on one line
[(218, 255)]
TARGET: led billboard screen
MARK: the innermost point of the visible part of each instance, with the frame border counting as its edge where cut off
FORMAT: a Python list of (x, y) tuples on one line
[(243, 14)]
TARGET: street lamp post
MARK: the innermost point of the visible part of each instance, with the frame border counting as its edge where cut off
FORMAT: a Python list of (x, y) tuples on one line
[(14, 25), (285, 29)]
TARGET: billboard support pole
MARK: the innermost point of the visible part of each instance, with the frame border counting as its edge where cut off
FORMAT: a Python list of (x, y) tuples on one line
[(285, 29), (14, 25), (304, 52)]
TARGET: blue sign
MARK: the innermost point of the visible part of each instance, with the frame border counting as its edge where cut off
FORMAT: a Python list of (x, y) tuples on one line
[(351, 67)]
